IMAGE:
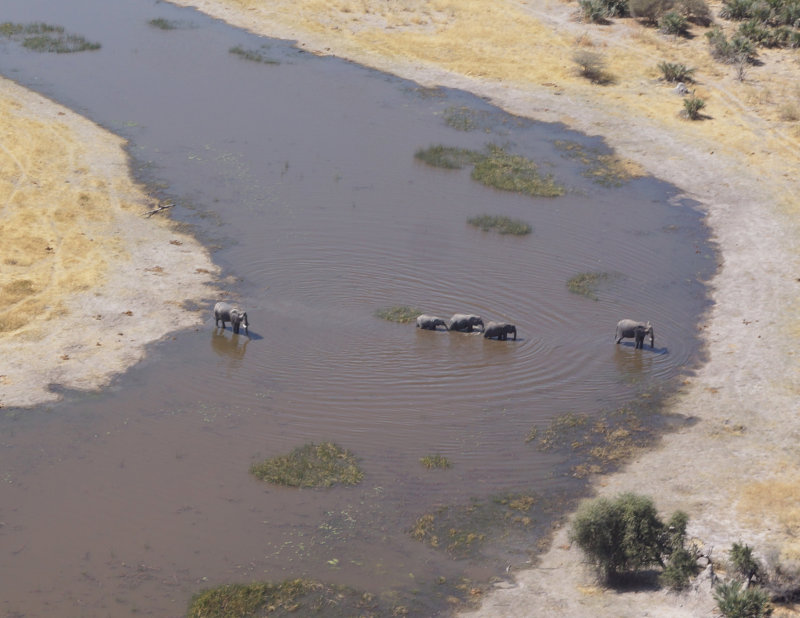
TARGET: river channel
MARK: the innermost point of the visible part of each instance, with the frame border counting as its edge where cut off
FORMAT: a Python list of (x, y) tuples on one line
[(298, 172)]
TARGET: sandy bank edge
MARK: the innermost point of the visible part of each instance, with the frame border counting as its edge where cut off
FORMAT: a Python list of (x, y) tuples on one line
[(143, 298)]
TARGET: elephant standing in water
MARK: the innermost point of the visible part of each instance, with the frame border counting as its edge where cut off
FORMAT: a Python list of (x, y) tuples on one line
[(465, 322), (637, 330), (225, 312), (499, 330), (430, 322)]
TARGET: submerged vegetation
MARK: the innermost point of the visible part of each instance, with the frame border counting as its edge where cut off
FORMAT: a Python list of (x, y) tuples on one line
[(254, 55), (495, 168), (435, 461), (399, 313), (501, 224), (586, 284), (605, 169), (311, 465), (294, 596), (462, 530), (41, 37)]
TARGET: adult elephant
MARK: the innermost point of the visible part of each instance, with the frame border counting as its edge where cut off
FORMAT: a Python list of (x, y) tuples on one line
[(635, 330), (499, 330), (465, 322), (430, 322), (225, 312)]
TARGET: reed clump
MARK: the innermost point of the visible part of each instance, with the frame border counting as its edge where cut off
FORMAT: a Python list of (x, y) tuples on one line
[(399, 313), (501, 224), (311, 465)]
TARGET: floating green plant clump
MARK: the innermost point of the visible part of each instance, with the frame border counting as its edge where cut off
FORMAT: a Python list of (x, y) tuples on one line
[(435, 461), (254, 55), (296, 597), (501, 224), (495, 168), (462, 530), (163, 24), (604, 169), (42, 37), (447, 157), (398, 313), (510, 172), (311, 465), (586, 284)]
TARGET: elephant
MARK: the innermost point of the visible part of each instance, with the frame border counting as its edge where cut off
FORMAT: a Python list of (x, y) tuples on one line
[(225, 312), (637, 330), (499, 330), (464, 322), (430, 322)]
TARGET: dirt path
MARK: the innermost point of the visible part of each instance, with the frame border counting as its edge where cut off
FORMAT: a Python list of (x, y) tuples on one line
[(87, 280), (737, 470)]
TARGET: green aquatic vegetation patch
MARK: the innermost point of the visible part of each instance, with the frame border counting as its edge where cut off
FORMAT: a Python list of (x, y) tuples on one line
[(602, 168), (435, 461), (300, 597), (447, 157), (515, 173), (163, 24), (501, 224), (495, 168), (398, 313), (311, 465), (254, 55), (41, 37), (586, 284), (462, 530)]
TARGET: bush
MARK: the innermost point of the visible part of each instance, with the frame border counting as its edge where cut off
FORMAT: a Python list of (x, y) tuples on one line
[(593, 11), (737, 50), (591, 65), (620, 535), (696, 11), (673, 22), (744, 563), (693, 105), (680, 569), (734, 602), (676, 72), (650, 10), (617, 8), (737, 9)]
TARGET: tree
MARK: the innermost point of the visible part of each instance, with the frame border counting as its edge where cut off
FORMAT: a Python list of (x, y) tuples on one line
[(621, 535)]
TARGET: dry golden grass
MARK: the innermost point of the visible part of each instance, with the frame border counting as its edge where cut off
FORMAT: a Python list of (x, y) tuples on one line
[(773, 502), (49, 223)]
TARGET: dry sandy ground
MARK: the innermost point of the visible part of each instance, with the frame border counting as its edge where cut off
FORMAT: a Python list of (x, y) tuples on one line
[(736, 472), (86, 279)]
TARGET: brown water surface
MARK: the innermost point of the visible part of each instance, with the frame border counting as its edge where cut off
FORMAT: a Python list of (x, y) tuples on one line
[(301, 173)]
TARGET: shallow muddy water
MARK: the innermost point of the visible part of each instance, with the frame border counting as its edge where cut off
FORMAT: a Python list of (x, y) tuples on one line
[(300, 173)]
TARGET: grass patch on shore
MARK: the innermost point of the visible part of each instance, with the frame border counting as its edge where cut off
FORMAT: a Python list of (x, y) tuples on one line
[(586, 284), (435, 461), (311, 465), (398, 313), (494, 168), (295, 596), (608, 170), (501, 224), (254, 55), (41, 37), (462, 530)]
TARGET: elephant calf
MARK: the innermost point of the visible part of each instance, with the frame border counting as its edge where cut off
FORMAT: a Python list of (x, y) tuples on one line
[(637, 330), (464, 322), (225, 312), (430, 322), (500, 330)]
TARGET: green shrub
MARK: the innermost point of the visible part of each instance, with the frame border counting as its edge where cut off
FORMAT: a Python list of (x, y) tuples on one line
[(744, 563), (650, 10), (501, 224), (593, 11), (693, 105), (737, 9), (591, 65), (673, 22), (621, 535), (680, 569), (617, 8), (696, 11), (676, 72), (735, 602), (311, 465)]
